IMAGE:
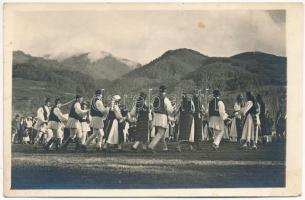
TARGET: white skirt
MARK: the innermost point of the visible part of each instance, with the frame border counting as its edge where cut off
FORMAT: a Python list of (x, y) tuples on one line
[(85, 127), (233, 130), (97, 122), (160, 120), (54, 125), (248, 130), (113, 137), (40, 125), (73, 123), (216, 123)]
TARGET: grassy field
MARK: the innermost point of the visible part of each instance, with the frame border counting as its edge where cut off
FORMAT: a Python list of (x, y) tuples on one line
[(228, 168)]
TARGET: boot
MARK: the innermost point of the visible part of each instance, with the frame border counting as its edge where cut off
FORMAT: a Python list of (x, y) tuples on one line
[(65, 145), (47, 146), (57, 144), (77, 143)]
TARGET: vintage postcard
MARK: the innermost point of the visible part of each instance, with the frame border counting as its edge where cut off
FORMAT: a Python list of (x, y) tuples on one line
[(152, 99)]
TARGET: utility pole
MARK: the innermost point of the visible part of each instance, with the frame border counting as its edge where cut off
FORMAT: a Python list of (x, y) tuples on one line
[(149, 113)]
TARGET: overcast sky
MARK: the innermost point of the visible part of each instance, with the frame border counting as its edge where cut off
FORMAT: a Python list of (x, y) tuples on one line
[(144, 35)]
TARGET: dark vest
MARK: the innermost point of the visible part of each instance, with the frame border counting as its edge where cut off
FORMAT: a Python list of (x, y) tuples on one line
[(73, 113), (159, 106), (45, 113), (52, 116), (213, 107), (253, 109), (93, 109), (186, 106)]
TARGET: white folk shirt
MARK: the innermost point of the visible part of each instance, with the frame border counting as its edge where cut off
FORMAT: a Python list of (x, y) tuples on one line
[(237, 108), (40, 117), (59, 114), (161, 120), (79, 110), (247, 107), (100, 107), (222, 110)]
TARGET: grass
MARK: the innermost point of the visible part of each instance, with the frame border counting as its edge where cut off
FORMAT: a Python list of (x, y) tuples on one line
[(230, 168)]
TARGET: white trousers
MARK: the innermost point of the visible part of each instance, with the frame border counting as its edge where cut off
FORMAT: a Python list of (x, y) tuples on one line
[(99, 133), (218, 134), (159, 136)]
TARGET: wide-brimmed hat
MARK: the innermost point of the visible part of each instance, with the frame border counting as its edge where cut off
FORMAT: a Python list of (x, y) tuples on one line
[(162, 88), (57, 101), (216, 93)]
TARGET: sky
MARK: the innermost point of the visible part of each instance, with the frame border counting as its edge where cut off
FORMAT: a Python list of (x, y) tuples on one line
[(142, 36)]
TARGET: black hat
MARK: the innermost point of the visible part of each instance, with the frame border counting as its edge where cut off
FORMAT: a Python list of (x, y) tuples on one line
[(57, 101), (142, 94), (162, 88), (78, 96), (216, 93), (47, 100), (85, 103), (98, 92)]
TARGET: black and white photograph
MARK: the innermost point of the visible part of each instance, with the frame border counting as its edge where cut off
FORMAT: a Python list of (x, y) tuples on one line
[(135, 96)]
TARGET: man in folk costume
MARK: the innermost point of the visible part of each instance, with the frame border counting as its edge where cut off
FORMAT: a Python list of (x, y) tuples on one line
[(75, 116), (141, 111), (115, 125), (217, 118), (40, 126), (186, 122), (56, 120), (98, 114), (162, 108), (85, 123), (236, 126), (251, 125)]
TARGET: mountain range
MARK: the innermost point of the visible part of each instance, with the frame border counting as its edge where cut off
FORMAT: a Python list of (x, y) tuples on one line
[(180, 69)]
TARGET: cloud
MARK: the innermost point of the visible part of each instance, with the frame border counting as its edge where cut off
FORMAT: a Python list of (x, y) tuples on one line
[(144, 35)]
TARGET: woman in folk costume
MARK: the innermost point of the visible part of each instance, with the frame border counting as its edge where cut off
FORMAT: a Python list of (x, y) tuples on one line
[(85, 123), (186, 122), (262, 117), (217, 118), (251, 125), (141, 110), (162, 108), (115, 125), (40, 126), (74, 122), (98, 114), (236, 126), (56, 120), (198, 115)]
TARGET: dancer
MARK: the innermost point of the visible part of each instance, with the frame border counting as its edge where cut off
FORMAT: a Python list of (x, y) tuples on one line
[(217, 117), (186, 122), (162, 108), (141, 111), (75, 116), (55, 124), (40, 126), (98, 113), (236, 126), (250, 129), (115, 125)]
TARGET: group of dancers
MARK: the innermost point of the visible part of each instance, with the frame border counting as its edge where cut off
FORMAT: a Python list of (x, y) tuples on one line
[(108, 123)]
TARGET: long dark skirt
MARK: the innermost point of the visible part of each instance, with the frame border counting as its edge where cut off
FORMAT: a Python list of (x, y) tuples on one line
[(263, 121), (108, 127), (198, 128), (239, 127), (141, 133), (185, 125)]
